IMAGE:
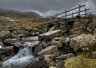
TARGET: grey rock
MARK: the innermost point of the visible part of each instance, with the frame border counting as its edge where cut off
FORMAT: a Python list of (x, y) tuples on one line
[(1, 45), (82, 42), (95, 31), (34, 38), (36, 49), (57, 42), (10, 40), (48, 50), (93, 54), (36, 63), (65, 56), (3, 33), (60, 64)]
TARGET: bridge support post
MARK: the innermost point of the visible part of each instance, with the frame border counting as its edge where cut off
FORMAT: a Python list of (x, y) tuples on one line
[(79, 9), (65, 14), (85, 12)]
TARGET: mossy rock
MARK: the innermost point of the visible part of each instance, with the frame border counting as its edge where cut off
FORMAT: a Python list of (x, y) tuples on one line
[(81, 62)]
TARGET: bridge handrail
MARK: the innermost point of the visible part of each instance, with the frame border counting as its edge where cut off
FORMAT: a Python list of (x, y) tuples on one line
[(79, 11)]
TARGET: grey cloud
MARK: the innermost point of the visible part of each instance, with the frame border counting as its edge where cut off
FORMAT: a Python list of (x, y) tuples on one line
[(39, 5), (45, 7)]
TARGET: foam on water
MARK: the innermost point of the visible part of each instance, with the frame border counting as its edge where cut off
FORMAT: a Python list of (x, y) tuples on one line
[(0, 46), (20, 60)]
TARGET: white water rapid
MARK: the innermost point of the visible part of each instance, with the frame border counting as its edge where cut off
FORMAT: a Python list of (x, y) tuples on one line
[(20, 60)]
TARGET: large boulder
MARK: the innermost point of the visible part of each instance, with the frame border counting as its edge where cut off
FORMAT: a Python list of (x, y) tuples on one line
[(82, 42), (48, 50), (36, 49), (6, 52)]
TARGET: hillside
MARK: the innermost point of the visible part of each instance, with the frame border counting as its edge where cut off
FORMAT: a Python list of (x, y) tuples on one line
[(13, 13)]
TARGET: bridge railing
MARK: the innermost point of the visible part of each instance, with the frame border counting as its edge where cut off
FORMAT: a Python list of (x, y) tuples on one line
[(71, 12), (79, 10)]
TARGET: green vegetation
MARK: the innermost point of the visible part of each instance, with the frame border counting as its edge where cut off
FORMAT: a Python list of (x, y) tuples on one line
[(81, 62)]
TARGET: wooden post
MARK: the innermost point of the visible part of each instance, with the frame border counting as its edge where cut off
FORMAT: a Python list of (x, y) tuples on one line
[(85, 12), (65, 14), (72, 14), (56, 17), (79, 10)]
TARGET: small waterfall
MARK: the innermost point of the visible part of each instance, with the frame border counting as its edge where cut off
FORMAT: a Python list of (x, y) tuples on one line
[(20, 60)]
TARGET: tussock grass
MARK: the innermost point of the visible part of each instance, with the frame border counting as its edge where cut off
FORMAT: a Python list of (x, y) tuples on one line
[(81, 62)]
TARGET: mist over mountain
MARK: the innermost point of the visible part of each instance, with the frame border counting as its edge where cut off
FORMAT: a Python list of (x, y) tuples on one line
[(46, 7), (19, 14)]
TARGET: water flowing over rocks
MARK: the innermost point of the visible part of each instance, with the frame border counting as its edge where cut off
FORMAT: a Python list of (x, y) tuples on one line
[(50, 45), (20, 60)]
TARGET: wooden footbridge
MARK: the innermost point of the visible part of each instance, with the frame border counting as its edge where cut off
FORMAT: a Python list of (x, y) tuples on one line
[(70, 14)]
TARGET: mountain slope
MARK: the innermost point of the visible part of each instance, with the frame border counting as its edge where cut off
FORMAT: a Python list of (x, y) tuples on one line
[(12, 13)]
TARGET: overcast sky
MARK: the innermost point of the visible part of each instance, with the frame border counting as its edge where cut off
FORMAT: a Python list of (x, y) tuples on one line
[(41, 6)]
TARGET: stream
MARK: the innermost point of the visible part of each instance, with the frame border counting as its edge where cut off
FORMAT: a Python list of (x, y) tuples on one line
[(20, 60)]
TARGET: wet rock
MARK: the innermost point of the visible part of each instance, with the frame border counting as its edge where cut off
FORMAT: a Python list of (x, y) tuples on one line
[(9, 48), (6, 52), (36, 49), (34, 38), (82, 42), (36, 63), (48, 50), (26, 44), (34, 45), (10, 41), (2, 50), (65, 56), (6, 49), (3, 33)]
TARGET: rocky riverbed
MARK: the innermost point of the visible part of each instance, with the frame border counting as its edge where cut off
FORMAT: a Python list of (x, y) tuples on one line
[(67, 44)]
